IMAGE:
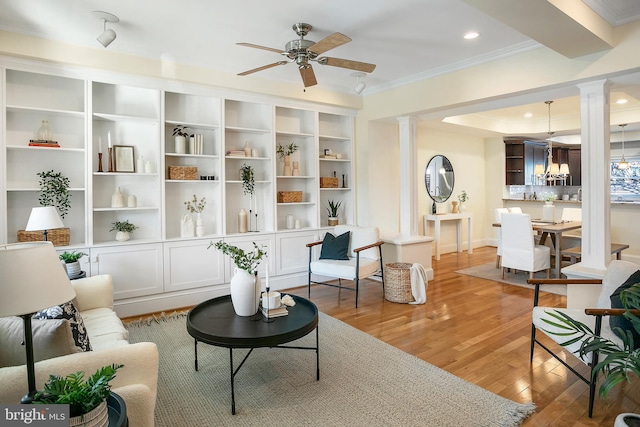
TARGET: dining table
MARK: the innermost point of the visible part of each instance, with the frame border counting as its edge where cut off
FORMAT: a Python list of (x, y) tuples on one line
[(554, 230)]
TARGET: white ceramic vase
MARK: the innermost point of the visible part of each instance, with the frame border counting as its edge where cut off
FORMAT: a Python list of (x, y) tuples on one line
[(122, 236), (199, 225), (245, 292), (180, 145), (548, 211)]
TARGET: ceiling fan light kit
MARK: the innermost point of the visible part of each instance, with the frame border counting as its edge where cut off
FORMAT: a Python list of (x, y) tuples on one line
[(302, 52)]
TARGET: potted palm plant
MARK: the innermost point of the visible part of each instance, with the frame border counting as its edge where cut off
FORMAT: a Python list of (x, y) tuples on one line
[(619, 360), (87, 400), (245, 283)]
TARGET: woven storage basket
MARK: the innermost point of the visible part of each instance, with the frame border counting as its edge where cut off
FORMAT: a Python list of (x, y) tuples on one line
[(57, 236), (183, 172), (328, 182), (289, 196), (397, 282)]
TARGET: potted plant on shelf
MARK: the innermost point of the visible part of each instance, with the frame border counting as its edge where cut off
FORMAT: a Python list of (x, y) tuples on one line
[(462, 198), (123, 230), (332, 212), (285, 152), (619, 360), (54, 191), (72, 263), (245, 283), (87, 400), (180, 138), (195, 206), (248, 187)]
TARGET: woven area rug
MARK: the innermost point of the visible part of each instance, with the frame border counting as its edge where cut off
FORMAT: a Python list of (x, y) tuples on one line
[(490, 272), (363, 382)]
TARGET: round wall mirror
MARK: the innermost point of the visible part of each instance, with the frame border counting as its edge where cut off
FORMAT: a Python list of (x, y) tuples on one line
[(439, 178)]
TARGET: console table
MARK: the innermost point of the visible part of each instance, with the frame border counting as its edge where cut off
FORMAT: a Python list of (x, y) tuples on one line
[(457, 217)]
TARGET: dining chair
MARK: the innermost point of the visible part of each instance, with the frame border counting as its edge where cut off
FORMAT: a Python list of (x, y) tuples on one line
[(572, 238), (519, 251), (497, 218), (515, 209)]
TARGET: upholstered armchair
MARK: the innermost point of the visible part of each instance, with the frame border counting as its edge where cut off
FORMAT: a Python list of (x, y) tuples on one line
[(619, 274), (352, 253)]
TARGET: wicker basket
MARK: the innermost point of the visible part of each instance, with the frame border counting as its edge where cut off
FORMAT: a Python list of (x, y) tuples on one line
[(183, 172), (397, 282), (289, 196), (57, 236), (328, 182)]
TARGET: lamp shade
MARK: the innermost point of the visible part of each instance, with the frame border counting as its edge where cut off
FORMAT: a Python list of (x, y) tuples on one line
[(554, 170), (31, 278), (539, 170), (44, 218), (564, 169)]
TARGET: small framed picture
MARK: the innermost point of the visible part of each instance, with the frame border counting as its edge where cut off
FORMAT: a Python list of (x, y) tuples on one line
[(123, 158)]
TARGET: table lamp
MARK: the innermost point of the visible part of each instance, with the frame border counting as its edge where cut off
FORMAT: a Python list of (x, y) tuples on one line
[(44, 218), (31, 279)]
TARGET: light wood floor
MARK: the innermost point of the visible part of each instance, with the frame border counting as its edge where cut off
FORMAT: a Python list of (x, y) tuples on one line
[(479, 330)]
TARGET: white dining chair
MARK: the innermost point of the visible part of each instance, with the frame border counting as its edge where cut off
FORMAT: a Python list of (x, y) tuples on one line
[(515, 209), (574, 237), (519, 251), (497, 218)]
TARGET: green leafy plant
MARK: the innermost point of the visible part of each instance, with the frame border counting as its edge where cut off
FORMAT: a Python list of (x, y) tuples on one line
[(81, 396), (180, 131), (69, 257), (123, 226), (248, 179), (286, 150), (195, 205), (619, 361), (247, 261), (463, 197), (54, 191), (332, 209), (550, 197)]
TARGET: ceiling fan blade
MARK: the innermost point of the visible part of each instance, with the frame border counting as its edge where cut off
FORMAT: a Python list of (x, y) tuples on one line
[(260, 47), (329, 42), (347, 63), (264, 67), (308, 76)]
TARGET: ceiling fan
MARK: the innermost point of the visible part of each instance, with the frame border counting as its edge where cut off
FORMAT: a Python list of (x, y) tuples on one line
[(303, 52)]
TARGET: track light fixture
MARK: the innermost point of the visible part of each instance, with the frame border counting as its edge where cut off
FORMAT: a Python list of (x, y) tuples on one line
[(108, 35), (360, 85)]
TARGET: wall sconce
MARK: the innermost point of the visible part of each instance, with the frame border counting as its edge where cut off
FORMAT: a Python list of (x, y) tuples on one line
[(360, 85), (108, 35)]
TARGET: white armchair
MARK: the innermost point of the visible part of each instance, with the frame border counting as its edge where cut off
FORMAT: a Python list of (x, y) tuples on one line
[(362, 258), (519, 251)]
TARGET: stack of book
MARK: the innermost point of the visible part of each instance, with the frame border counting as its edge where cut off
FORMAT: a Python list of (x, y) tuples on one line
[(275, 312), (236, 153), (42, 143)]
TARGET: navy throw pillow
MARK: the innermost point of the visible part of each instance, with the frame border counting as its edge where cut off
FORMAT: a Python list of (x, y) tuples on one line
[(616, 302), (70, 312), (335, 247)]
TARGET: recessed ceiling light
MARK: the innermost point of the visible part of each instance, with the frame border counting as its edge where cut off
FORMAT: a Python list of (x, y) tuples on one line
[(471, 35), (528, 115), (621, 101)]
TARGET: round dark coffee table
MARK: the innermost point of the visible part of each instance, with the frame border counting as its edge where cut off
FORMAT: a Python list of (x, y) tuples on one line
[(214, 322)]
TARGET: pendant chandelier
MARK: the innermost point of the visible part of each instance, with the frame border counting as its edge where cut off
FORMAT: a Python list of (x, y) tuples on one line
[(554, 171), (623, 164)]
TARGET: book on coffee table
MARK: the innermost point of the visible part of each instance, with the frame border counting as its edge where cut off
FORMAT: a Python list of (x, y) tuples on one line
[(275, 312)]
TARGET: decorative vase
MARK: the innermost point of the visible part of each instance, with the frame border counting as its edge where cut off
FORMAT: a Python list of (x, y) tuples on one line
[(332, 221), (548, 211), (287, 166), (44, 132), (73, 269), (243, 223), (245, 292), (199, 225), (97, 417), (140, 164), (462, 207), (132, 201), (180, 144), (122, 236), (454, 207), (117, 199), (290, 222), (296, 169)]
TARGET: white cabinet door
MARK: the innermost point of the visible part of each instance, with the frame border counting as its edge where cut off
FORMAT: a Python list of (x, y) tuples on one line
[(189, 264), (292, 254), (136, 269)]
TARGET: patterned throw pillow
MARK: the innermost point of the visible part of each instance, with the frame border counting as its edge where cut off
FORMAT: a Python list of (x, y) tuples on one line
[(70, 312)]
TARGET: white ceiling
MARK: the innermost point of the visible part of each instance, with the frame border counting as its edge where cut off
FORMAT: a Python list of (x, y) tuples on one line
[(407, 39)]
